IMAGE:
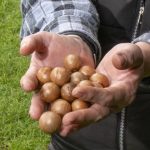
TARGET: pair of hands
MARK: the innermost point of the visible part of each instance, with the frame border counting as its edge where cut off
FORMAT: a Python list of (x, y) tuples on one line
[(123, 65)]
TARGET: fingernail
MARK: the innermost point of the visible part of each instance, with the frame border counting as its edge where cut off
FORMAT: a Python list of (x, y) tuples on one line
[(77, 93), (25, 42), (33, 114), (98, 118), (120, 61), (63, 133), (123, 60)]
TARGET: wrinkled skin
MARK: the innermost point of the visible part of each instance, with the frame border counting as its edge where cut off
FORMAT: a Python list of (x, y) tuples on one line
[(48, 49), (123, 65)]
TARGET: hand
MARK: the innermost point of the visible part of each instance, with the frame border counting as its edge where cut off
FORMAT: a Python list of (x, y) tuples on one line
[(123, 65), (49, 49)]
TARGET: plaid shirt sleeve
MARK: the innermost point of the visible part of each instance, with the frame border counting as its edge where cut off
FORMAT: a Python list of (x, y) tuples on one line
[(63, 17)]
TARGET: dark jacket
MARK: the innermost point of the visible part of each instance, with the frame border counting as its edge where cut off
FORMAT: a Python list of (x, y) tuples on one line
[(128, 130), (118, 20)]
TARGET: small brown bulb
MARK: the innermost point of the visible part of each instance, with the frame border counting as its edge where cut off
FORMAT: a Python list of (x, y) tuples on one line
[(49, 92), (66, 91), (100, 78), (85, 83), (61, 107), (72, 62), (43, 74), (87, 70), (60, 75), (79, 104), (50, 122), (76, 77), (98, 85)]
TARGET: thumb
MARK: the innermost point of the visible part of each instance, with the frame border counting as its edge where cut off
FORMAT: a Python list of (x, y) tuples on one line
[(83, 117), (127, 56), (35, 42), (29, 81)]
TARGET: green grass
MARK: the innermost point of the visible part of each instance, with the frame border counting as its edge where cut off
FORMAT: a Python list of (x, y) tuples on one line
[(17, 130)]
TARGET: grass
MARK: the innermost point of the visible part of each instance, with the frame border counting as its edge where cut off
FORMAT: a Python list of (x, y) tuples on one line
[(17, 130)]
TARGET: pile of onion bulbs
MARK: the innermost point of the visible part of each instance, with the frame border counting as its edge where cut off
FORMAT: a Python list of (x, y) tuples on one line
[(56, 86)]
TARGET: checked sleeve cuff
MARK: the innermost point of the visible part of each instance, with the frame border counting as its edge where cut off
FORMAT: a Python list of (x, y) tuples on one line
[(75, 27), (63, 17)]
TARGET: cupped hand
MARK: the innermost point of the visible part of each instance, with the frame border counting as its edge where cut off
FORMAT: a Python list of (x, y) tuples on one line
[(123, 65), (49, 49)]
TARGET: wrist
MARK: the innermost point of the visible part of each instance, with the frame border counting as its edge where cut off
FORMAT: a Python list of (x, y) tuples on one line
[(91, 41), (85, 46), (145, 48)]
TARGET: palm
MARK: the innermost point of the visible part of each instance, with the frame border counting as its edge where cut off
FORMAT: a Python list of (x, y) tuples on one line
[(115, 75), (49, 49), (125, 81), (55, 49)]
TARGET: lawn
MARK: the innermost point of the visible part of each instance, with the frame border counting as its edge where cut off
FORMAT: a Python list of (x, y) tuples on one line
[(17, 130)]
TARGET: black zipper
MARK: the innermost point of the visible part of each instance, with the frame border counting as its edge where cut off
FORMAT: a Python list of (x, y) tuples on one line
[(123, 119)]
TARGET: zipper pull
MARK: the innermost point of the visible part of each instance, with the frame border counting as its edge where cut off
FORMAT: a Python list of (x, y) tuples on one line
[(141, 12)]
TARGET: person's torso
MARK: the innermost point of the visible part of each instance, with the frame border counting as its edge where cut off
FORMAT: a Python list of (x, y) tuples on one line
[(111, 133), (122, 21), (117, 24), (118, 21)]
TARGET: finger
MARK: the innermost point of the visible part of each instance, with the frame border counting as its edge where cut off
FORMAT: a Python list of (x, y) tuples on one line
[(65, 131), (94, 95), (127, 56), (119, 94), (85, 116), (35, 42), (29, 81), (73, 121), (37, 107)]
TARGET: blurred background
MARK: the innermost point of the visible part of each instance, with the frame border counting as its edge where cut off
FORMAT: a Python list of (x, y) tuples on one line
[(17, 130)]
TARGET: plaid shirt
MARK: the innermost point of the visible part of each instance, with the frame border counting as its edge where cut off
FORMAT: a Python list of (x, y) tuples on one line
[(63, 17)]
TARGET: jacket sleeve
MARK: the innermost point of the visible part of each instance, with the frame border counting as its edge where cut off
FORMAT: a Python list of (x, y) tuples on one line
[(62, 17), (143, 38)]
